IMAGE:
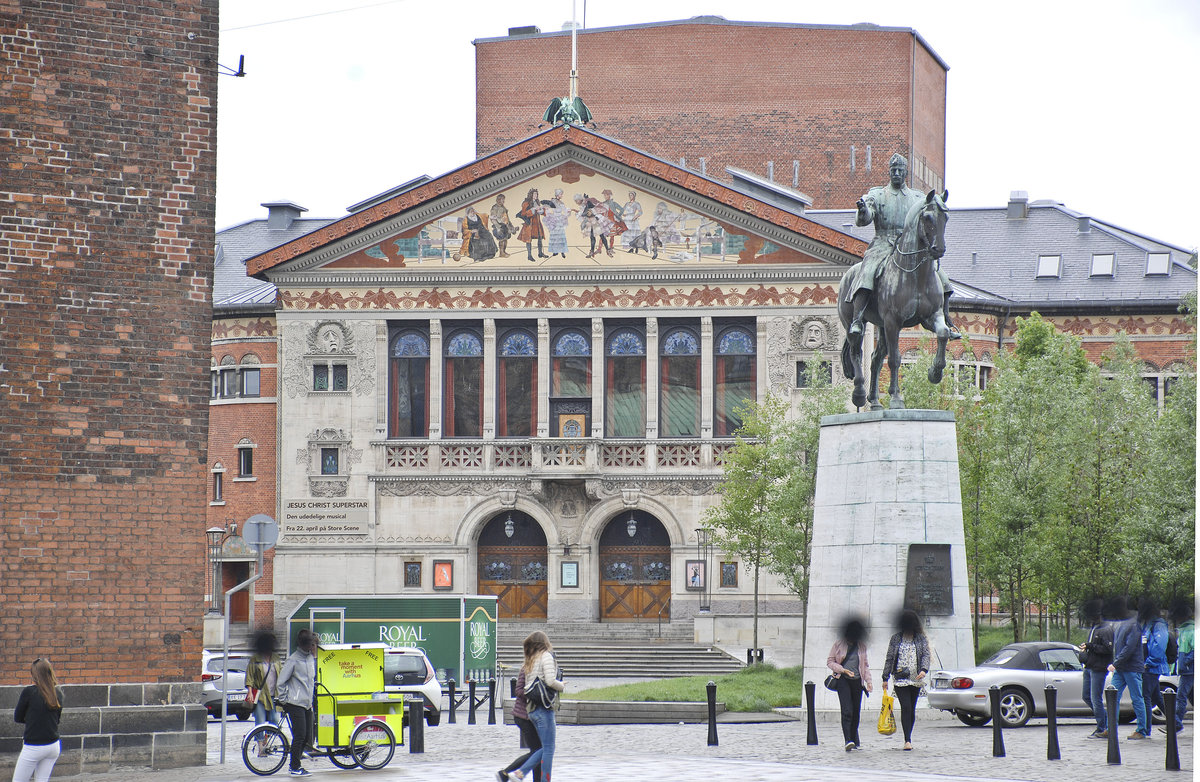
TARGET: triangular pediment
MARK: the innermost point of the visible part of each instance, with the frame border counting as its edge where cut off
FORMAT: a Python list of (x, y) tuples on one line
[(564, 200)]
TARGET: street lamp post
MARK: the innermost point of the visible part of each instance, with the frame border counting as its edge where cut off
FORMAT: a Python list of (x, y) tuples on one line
[(214, 535), (703, 538)]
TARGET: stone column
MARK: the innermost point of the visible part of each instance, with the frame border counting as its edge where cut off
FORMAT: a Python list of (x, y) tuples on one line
[(488, 378), (760, 360), (706, 377), (435, 378), (651, 378), (598, 377), (543, 377)]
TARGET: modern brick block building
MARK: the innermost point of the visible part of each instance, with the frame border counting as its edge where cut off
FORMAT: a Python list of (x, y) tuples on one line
[(107, 148), (822, 107)]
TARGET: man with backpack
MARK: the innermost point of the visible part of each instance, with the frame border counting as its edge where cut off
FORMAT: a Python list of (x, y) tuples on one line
[(1096, 655), (1156, 639)]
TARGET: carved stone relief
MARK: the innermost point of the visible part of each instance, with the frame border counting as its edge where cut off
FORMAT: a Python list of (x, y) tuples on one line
[(815, 332), (329, 341), (779, 367)]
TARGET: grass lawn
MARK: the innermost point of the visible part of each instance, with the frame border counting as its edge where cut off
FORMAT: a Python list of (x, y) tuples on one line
[(755, 688)]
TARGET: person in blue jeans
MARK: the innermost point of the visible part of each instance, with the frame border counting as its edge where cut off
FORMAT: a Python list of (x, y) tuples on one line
[(539, 664), (1153, 629), (1185, 663), (1096, 655), (1128, 665)]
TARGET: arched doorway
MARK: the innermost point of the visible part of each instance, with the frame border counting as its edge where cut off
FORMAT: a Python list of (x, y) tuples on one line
[(635, 569), (512, 565)]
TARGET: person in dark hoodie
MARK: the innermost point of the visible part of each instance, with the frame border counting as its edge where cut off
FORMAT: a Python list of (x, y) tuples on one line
[(1128, 663), (1096, 655), (1154, 632)]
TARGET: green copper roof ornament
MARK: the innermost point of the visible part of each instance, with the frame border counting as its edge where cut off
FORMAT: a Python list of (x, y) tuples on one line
[(570, 110)]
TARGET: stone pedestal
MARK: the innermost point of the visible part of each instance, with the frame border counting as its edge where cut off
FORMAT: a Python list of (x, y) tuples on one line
[(886, 480)]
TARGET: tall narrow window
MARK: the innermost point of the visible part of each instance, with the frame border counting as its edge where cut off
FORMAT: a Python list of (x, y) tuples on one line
[(329, 461), (463, 385), (625, 385), (408, 385), (572, 375), (251, 381), (734, 379), (245, 462), (218, 487), (320, 377), (516, 395), (679, 395)]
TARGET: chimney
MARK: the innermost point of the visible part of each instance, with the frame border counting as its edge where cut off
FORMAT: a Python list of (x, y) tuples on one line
[(281, 214), (1018, 205), (1085, 224), (529, 29)]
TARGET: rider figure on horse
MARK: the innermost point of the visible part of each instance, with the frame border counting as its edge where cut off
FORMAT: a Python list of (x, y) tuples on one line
[(887, 207)]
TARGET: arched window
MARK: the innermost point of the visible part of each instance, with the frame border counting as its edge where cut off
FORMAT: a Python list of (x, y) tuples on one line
[(463, 387), (517, 392), (625, 385), (408, 385), (572, 374), (734, 380), (679, 385)]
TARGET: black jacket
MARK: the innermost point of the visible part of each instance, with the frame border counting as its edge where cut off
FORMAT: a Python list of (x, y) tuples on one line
[(41, 721), (1099, 652)]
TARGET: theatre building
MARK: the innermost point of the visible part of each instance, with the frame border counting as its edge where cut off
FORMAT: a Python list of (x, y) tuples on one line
[(488, 384)]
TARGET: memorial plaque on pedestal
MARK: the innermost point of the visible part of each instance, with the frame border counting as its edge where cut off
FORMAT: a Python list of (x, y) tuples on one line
[(928, 587)]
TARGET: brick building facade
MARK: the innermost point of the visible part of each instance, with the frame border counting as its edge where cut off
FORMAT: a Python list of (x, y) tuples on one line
[(825, 106), (107, 137)]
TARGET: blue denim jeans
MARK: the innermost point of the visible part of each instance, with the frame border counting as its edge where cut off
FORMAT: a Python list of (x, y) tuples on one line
[(1093, 694), (1133, 680), (261, 714), (543, 721), (1186, 682)]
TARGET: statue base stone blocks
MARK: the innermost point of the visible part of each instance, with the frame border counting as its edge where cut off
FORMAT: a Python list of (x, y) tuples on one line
[(887, 535)]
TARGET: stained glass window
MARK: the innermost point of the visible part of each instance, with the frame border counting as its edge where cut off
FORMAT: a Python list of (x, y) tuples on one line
[(736, 342), (572, 365), (626, 343), (408, 385), (464, 344), (464, 385), (410, 345), (518, 343), (516, 394), (734, 380), (572, 343), (625, 385), (679, 372)]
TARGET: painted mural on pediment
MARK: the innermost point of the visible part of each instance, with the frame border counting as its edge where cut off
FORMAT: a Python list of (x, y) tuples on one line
[(570, 217)]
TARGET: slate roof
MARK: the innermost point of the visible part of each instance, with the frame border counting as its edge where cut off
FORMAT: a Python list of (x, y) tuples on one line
[(231, 285), (992, 258)]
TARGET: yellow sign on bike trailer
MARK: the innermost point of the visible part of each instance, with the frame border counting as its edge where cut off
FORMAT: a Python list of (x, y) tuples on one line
[(350, 691)]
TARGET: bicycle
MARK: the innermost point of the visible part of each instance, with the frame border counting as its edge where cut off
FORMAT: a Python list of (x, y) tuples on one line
[(267, 747)]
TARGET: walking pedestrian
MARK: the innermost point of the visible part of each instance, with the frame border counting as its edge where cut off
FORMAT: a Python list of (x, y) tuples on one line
[(262, 674), (1185, 662), (539, 664), (907, 664), (295, 691), (39, 708), (529, 737), (1128, 664), (848, 661), (1096, 655), (1154, 637)]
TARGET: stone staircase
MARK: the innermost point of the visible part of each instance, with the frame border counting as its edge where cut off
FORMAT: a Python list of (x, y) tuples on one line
[(618, 650)]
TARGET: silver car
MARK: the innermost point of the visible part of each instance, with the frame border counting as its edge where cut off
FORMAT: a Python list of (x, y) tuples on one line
[(1021, 671), (215, 669)]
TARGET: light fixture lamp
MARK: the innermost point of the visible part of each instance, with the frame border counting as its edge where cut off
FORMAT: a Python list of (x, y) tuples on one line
[(631, 525), (509, 527)]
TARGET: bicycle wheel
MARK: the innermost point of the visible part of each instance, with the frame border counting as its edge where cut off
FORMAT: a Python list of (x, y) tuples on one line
[(374, 744), (265, 750), (342, 757)]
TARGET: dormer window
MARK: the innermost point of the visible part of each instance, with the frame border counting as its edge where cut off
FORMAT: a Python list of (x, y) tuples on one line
[(1048, 265), (1103, 264), (1158, 263)]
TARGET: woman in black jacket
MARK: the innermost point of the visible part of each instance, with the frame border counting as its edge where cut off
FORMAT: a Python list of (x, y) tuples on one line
[(907, 665), (39, 707)]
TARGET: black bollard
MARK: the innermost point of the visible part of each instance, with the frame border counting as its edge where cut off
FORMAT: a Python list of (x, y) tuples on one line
[(491, 701), (471, 694), (810, 695), (1114, 743), (1052, 751), (997, 727), (1172, 738), (749, 657), (512, 688), (416, 725), (712, 714), (450, 684)]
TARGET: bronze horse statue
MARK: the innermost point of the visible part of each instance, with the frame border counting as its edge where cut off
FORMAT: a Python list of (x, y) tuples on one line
[(907, 293)]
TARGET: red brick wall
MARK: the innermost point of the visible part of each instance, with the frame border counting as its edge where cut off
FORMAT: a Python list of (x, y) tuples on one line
[(107, 177), (736, 95)]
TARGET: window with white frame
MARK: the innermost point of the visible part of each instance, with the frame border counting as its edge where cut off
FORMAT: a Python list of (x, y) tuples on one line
[(1158, 263), (1049, 265), (246, 461), (218, 492), (1103, 264)]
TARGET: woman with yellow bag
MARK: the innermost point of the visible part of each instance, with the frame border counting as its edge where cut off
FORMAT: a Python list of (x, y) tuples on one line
[(907, 665)]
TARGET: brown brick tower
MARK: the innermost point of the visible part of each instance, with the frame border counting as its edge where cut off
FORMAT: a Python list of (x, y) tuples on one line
[(107, 184), (826, 105)]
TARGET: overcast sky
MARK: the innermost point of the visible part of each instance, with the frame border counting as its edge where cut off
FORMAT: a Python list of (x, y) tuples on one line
[(1089, 103)]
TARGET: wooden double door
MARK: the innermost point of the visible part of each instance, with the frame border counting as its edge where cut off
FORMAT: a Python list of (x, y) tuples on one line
[(517, 576), (635, 583)]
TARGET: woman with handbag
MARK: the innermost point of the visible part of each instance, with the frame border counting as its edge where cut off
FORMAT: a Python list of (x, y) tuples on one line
[(906, 665), (529, 737), (542, 685), (262, 674), (852, 672)]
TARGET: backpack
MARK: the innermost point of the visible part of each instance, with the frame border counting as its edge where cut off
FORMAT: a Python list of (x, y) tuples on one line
[(1172, 648)]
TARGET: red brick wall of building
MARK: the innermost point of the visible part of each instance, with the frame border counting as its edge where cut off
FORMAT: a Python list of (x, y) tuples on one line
[(736, 95), (107, 154)]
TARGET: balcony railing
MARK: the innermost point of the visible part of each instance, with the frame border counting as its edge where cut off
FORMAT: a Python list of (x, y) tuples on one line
[(550, 457)]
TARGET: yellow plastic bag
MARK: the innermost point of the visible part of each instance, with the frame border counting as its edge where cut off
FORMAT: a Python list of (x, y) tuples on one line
[(887, 722)]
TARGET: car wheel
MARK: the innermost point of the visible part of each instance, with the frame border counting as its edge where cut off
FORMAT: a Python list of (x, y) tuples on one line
[(972, 720), (1016, 707), (433, 718)]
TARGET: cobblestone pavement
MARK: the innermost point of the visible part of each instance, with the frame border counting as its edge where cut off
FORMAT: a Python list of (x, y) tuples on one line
[(775, 752)]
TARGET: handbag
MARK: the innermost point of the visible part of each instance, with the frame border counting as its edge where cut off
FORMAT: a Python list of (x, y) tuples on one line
[(538, 694), (887, 720), (831, 682)]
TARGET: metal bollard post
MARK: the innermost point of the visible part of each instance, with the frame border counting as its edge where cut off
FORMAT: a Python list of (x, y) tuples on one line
[(453, 701), (997, 727), (491, 701), (512, 688), (1114, 743), (416, 725), (712, 714), (471, 711), (810, 695), (749, 657), (1052, 750), (1169, 706)]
